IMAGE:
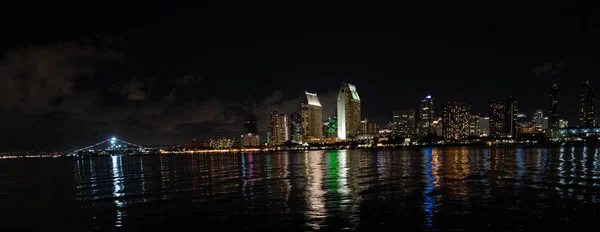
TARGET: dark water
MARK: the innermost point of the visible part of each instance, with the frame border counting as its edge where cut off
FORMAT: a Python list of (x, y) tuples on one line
[(417, 189)]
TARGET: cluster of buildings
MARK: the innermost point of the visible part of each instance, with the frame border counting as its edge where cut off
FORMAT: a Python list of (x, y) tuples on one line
[(455, 123), (504, 122), (307, 124)]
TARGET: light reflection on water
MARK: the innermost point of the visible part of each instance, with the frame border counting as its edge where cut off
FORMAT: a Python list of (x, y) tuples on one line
[(423, 189)]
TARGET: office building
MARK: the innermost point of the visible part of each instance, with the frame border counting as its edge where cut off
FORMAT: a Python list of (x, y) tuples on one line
[(456, 118), (437, 127), (278, 128), (295, 127), (474, 124), (484, 126), (250, 126), (538, 116), (348, 111), (545, 123), (367, 127), (312, 118), (512, 112), (496, 122), (521, 122), (587, 105), (427, 116), (404, 123), (553, 108)]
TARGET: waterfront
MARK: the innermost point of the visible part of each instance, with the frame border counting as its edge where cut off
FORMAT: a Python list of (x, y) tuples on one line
[(491, 188)]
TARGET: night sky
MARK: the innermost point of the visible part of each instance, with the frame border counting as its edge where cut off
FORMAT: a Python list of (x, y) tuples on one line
[(74, 75)]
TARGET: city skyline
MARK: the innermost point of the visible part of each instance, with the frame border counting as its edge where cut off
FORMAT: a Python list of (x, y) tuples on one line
[(174, 73)]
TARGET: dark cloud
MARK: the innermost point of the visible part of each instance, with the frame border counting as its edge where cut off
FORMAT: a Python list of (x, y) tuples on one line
[(62, 89), (33, 78), (548, 68), (134, 91)]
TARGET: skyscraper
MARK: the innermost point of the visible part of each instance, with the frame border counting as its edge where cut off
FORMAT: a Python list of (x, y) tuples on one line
[(312, 117), (456, 118), (348, 111), (497, 115), (538, 116), (427, 116), (484, 126), (474, 129), (278, 128), (404, 123), (587, 105), (367, 127), (512, 112), (295, 121), (250, 124), (553, 109), (521, 122)]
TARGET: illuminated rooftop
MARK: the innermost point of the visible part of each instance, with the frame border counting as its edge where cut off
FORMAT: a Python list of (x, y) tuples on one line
[(312, 99), (353, 91)]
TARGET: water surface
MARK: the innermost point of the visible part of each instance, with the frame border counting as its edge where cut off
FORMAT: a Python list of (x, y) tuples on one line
[(454, 188)]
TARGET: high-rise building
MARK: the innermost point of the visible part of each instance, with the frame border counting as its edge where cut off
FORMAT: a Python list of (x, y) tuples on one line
[(312, 117), (538, 116), (545, 123), (456, 119), (496, 122), (437, 127), (250, 124), (587, 105), (427, 116), (521, 122), (295, 121), (348, 111), (512, 111), (484, 126), (367, 127), (474, 123), (404, 123), (553, 108), (278, 128)]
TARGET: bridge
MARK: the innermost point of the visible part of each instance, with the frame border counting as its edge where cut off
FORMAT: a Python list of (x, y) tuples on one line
[(111, 146)]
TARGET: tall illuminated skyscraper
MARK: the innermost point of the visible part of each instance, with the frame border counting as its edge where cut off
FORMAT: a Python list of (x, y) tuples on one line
[(512, 112), (456, 118), (538, 116), (295, 121), (474, 129), (278, 128), (348, 111), (404, 123), (427, 116), (312, 117), (553, 108), (587, 105), (497, 114)]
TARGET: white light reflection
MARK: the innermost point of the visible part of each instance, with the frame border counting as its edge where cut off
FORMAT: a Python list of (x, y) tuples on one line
[(118, 186), (316, 200), (343, 176), (143, 180)]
